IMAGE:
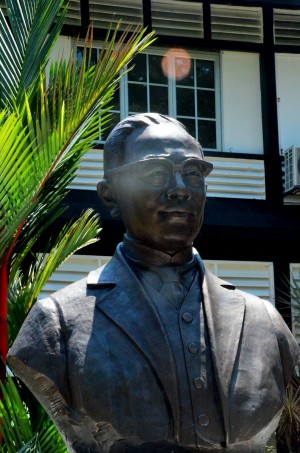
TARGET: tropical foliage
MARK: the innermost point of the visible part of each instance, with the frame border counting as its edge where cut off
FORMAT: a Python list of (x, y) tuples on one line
[(19, 432), (288, 431), (289, 426), (46, 126)]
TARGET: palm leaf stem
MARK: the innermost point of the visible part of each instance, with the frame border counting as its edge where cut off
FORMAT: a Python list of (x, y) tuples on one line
[(4, 282), (4, 273)]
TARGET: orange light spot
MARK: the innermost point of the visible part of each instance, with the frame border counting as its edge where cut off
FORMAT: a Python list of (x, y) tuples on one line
[(176, 64)]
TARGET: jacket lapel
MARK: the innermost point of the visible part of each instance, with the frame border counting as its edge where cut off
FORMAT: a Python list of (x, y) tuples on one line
[(126, 303), (224, 309)]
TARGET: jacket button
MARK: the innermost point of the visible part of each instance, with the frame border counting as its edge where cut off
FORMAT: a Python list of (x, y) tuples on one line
[(193, 348), (187, 317), (203, 420), (199, 382)]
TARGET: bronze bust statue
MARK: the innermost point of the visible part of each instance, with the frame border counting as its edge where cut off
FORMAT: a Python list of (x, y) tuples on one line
[(152, 353)]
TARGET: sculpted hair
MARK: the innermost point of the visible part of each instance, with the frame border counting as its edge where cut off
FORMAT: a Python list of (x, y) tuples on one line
[(114, 148)]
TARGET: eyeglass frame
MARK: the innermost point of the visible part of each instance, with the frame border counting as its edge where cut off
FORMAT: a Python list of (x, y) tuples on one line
[(176, 167)]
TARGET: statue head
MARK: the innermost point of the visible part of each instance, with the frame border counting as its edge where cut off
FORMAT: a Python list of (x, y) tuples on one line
[(154, 179)]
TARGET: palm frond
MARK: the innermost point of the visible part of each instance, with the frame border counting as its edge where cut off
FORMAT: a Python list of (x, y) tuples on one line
[(17, 183), (50, 441), (25, 287), (289, 424), (25, 46), (47, 440), (58, 131), (16, 427)]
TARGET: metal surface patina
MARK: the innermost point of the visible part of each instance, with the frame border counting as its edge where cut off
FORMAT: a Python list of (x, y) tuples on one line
[(152, 353)]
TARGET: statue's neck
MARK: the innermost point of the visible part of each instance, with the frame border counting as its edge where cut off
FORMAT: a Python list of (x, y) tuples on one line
[(140, 252)]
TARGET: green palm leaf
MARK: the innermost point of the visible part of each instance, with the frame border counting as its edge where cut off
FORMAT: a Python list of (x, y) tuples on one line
[(25, 288), (58, 132), (289, 425), (26, 45), (16, 427)]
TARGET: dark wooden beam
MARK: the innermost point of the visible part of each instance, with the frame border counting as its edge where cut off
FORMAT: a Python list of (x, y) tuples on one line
[(85, 13), (207, 21), (273, 173), (147, 14)]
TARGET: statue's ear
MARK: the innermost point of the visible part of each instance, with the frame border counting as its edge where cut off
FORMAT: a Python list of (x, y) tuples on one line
[(105, 192)]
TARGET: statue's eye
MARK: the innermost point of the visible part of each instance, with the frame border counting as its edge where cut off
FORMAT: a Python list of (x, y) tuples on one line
[(193, 174), (157, 175)]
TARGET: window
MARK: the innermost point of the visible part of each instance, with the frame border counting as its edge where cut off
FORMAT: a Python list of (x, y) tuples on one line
[(177, 83)]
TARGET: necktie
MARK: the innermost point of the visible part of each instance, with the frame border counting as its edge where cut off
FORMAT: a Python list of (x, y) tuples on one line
[(172, 287), (172, 282)]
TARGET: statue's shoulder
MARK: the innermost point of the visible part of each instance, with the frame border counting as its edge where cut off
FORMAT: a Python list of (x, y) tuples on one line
[(70, 293), (253, 304), (214, 281), (259, 312), (79, 291), (64, 304)]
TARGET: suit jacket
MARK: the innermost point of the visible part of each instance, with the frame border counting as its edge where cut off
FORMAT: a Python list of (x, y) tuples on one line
[(96, 356)]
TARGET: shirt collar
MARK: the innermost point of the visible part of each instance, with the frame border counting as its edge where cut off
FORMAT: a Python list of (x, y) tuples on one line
[(140, 253)]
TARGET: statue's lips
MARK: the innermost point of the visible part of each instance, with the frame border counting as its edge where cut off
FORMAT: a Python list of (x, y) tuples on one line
[(176, 212)]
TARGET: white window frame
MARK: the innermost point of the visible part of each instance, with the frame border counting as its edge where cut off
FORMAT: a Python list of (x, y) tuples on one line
[(172, 90), (124, 108)]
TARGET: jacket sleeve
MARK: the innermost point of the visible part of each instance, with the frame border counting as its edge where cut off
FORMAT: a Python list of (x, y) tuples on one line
[(288, 347), (38, 358)]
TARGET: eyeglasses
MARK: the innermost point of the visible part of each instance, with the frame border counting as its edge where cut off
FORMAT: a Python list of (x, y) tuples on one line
[(159, 171)]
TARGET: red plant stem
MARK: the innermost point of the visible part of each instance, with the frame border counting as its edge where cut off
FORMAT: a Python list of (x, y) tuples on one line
[(4, 280), (3, 317), (3, 323)]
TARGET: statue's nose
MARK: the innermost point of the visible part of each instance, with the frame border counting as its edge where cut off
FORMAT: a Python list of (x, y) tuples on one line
[(178, 187)]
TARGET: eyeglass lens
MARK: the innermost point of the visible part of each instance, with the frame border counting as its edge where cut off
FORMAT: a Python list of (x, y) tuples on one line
[(159, 173)]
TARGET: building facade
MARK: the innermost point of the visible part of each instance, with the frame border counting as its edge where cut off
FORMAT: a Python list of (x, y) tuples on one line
[(231, 73)]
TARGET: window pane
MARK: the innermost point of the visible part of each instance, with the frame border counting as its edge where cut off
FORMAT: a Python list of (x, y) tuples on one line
[(79, 54), (185, 66), (205, 73), (94, 57), (155, 71), (206, 104), (185, 102), (207, 134), (189, 124), (139, 71), (93, 54), (159, 99), (137, 98)]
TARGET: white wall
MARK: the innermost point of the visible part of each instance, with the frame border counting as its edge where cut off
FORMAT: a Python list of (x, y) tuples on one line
[(241, 102), (288, 95)]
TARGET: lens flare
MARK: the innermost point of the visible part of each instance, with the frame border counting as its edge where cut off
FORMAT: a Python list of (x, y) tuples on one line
[(176, 64)]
